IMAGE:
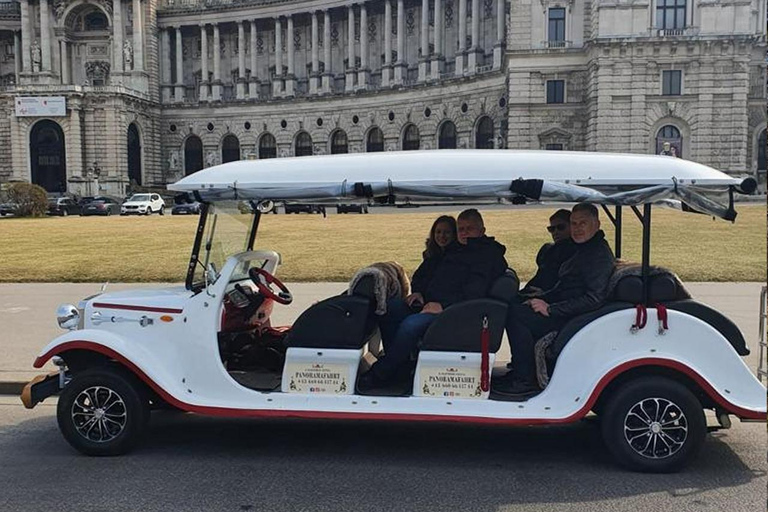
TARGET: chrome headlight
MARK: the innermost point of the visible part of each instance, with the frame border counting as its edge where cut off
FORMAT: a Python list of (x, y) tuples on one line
[(68, 317)]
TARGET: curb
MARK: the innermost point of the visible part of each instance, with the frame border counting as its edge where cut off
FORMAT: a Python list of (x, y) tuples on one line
[(11, 388)]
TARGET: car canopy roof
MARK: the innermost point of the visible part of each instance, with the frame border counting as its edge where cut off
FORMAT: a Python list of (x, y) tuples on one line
[(469, 176)]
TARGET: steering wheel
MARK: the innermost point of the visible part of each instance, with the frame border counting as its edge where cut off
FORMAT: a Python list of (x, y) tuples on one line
[(263, 281)]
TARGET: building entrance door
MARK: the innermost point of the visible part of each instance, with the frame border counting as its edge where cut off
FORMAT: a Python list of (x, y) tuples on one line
[(47, 156), (134, 155)]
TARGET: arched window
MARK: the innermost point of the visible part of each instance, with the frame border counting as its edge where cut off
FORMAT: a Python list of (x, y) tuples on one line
[(134, 154), (230, 149), (267, 146), (411, 138), (95, 21), (447, 139), (761, 141), (669, 142), (193, 155), (303, 144), (484, 133), (375, 140), (339, 142)]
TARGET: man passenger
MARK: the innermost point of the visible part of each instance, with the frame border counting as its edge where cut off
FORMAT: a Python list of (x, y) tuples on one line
[(581, 287), (552, 255), (464, 273)]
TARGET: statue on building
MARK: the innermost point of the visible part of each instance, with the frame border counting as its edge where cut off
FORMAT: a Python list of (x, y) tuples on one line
[(210, 159), (128, 55), (173, 161), (37, 55)]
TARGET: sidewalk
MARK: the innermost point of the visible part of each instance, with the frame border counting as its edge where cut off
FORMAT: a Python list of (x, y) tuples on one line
[(28, 317)]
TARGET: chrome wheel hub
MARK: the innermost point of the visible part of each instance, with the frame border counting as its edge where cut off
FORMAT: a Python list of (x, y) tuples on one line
[(655, 428), (99, 414)]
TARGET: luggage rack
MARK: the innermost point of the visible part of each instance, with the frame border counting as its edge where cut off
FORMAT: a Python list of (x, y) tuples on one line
[(761, 370)]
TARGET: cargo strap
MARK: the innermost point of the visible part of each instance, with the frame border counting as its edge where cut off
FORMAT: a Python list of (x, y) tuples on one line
[(641, 318), (661, 313), (485, 338)]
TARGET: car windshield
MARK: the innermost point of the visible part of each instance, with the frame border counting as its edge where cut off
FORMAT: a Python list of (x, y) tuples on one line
[(139, 197), (227, 230)]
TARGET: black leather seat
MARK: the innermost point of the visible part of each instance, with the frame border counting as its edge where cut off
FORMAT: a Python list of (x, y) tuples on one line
[(459, 327), (344, 321)]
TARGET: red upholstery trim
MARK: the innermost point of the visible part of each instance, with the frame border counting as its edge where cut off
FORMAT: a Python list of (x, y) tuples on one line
[(231, 412), (136, 308)]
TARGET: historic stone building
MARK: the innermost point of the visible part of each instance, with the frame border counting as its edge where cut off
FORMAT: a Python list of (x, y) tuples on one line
[(156, 89)]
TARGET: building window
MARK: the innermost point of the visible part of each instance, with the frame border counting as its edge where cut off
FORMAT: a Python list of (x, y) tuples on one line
[(671, 83), (555, 91), (761, 141), (447, 139), (411, 138), (339, 143), (554, 147), (556, 32), (303, 144), (230, 149), (267, 146), (670, 14), (375, 141), (669, 142), (484, 134)]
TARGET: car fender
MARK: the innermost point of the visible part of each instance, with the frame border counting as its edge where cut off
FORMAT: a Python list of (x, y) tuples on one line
[(607, 347), (136, 358)]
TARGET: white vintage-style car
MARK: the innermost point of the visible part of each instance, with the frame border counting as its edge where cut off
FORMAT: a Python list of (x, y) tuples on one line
[(648, 362)]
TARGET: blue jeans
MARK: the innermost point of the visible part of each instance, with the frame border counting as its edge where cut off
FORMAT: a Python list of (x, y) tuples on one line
[(401, 329)]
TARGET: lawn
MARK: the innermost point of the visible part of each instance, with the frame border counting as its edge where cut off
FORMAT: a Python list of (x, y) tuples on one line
[(314, 248)]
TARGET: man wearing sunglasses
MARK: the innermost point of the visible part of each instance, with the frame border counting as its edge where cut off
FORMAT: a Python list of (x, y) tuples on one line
[(552, 255)]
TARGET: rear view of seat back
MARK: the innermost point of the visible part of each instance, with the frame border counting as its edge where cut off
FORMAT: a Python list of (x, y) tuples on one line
[(344, 321)]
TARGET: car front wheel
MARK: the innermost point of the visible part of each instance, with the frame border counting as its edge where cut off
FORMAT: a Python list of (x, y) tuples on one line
[(653, 424), (102, 412)]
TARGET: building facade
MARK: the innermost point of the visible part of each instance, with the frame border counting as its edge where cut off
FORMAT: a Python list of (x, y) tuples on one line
[(157, 89)]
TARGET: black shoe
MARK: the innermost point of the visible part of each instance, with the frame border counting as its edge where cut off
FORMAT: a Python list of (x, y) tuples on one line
[(514, 389), (371, 384), (368, 382)]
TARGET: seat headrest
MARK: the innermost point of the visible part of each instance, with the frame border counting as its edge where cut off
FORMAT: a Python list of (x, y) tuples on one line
[(661, 288), (365, 287), (505, 288)]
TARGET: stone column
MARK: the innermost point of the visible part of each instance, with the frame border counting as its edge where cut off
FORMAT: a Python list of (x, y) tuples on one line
[(165, 41), (25, 32), (327, 52), (313, 77), (45, 36), (117, 36), (277, 85), (475, 49), (240, 60), (216, 89), (400, 65), (350, 71), (138, 36), (386, 70), (437, 59), (459, 71), (290, 82), (424, 55), (364, 72), (17, 55), (179, 66), (498, 48), (205, 84), (64, 62), (253, 83)]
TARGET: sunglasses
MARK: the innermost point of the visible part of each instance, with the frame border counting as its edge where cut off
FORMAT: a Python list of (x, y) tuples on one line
[(558, 227)]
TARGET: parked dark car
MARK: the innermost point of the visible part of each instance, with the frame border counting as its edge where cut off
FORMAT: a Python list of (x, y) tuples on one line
[(186, 209), (7, 209), (63, 206), (101, 205), (352, 208), (304, 208)]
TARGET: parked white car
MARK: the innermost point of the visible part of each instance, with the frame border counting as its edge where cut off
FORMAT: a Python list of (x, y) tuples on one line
[(143, 204)]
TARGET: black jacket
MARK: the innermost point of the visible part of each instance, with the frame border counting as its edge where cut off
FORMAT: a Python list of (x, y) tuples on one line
[(465, 272), (549, 259), (423, 275), (582, 280)]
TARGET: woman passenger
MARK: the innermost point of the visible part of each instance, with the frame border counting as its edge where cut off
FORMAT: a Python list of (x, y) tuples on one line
[(442, 238)]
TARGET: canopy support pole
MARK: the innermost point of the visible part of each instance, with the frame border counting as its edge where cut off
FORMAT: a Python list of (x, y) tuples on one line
[(193, 259), (254, 228), (617, 223), (646, 219)]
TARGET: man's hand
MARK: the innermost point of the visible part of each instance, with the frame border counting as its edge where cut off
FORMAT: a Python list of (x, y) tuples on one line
[(432, 307), (539, 306), (414, 297)]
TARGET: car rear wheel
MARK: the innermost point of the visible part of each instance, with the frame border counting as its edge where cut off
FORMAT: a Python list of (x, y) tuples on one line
[(64, 213), (162, 210), (102, 412), (653, 424)]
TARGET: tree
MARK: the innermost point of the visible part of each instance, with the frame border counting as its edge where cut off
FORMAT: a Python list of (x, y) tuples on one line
[(29, 200)]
